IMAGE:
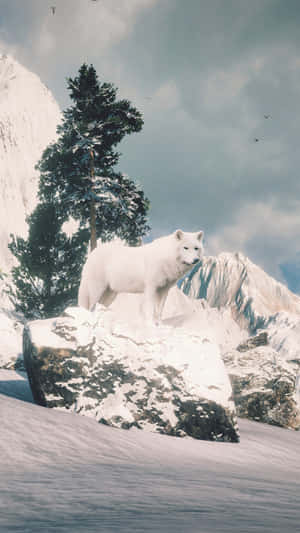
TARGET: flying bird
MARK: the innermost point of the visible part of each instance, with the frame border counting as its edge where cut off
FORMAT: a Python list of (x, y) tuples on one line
[(267, 116), (256, 140), (53, 9)]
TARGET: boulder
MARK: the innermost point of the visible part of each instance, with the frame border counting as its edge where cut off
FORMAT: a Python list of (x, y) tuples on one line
[(162, 379), (265, 383)]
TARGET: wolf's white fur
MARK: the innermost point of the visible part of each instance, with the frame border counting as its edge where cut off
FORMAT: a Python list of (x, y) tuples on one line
[(151, 269)]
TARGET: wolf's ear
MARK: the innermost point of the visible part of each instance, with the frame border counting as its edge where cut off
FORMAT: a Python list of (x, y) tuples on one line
[(178, 234), (200, 235)]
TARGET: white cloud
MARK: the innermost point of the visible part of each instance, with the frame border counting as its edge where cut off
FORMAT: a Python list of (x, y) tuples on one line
[(45, 41), (167, 96), (86, 25), (266, 233), (222, 87)]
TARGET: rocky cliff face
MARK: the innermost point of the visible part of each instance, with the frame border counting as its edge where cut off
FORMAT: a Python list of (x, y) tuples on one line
[(28, 119)]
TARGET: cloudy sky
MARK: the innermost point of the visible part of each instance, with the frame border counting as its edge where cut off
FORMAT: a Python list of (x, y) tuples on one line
[(205, 73)]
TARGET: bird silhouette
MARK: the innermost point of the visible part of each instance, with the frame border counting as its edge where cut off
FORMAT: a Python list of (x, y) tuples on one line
[(267, 116), (53, 9), (256, 140)]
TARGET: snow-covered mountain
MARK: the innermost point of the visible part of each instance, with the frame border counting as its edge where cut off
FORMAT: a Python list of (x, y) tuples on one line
[(233, 281), (28, 119)]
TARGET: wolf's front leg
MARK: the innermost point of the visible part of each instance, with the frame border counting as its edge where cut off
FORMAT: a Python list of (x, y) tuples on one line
[(150, 305)]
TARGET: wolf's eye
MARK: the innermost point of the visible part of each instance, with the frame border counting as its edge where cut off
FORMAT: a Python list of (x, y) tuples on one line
[(185, 248), (196, 248)]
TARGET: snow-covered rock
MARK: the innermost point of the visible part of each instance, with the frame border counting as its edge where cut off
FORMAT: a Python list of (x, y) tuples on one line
[(265, 383), (159, 379), (233, 281), (29, 116)]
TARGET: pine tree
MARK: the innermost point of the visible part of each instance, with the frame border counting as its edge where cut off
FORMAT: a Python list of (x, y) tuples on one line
[(80, 165), (46, 278), (78, 179)]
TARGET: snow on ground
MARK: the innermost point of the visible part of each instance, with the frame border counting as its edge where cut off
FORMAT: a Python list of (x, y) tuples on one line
[(65, 473), (193, 315), (11, 331)]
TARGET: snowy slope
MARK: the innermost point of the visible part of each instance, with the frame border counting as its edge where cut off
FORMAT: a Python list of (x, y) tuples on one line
[(28, 119), (233, 281), (64, 473)]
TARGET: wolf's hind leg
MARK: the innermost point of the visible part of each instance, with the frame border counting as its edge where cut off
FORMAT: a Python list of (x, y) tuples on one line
[(160, 303)]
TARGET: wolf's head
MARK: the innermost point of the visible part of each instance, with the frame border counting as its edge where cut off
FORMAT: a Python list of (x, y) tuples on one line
[(189, 246)]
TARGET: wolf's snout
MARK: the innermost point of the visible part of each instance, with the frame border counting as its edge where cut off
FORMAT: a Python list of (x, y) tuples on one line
[(196, 261)]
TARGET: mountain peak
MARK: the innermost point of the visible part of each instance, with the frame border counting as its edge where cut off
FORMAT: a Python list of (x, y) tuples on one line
[(29, 116), (233, 280)]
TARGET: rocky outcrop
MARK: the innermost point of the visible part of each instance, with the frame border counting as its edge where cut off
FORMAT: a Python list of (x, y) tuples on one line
[(265, 384), (254, 342), (160, 379)]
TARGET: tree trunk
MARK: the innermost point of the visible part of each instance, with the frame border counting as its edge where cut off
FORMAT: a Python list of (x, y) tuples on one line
[(93, 225), (93, 232)]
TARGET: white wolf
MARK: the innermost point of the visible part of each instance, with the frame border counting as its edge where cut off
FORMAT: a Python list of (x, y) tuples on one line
[(152, 269)]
